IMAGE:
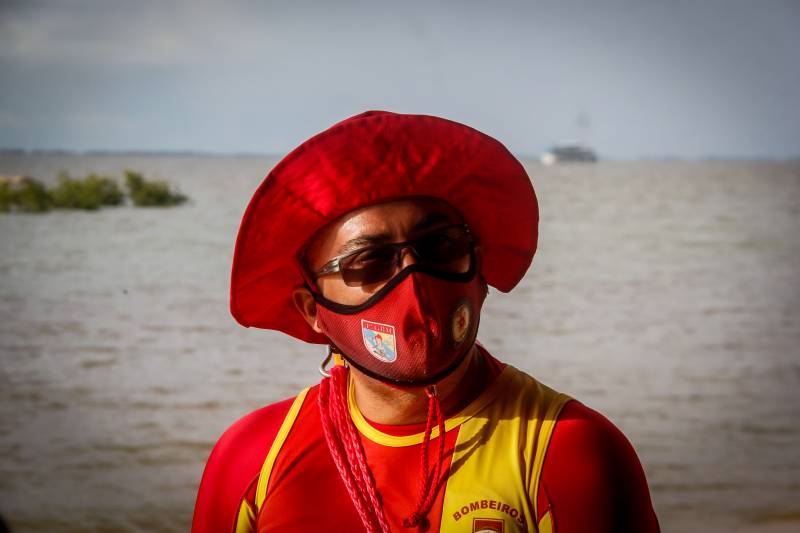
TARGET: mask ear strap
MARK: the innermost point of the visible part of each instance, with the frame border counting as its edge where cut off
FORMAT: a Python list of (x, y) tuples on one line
[(334, 354), (323, 367)]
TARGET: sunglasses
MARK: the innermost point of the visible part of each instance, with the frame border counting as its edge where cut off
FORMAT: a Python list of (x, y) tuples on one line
[(443, 249)]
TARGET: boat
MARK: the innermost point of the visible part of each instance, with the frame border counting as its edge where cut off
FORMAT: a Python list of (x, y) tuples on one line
[(569, 153)]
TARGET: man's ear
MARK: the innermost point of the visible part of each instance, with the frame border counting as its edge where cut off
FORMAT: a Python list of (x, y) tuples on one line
[(307, 306)]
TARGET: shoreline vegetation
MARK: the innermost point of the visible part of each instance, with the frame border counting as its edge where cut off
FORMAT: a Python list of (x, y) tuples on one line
[(24, 194)]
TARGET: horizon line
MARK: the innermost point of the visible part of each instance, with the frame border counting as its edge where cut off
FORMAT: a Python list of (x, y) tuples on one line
[(6, 151)]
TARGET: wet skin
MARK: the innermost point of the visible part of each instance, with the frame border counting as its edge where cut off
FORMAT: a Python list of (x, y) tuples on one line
[(396, 221)]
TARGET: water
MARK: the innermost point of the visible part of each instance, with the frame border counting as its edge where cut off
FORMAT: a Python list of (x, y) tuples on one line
[(664, 294)]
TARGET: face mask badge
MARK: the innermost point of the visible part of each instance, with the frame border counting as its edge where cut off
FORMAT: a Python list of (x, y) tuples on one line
[(379, 340), (460, 321)]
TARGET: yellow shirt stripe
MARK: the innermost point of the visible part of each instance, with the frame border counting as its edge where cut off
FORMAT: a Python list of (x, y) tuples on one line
[(280, 438), (246, 519)]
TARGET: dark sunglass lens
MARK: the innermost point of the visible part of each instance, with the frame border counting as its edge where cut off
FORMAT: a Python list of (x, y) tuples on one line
[(369, 266), (443, 248)]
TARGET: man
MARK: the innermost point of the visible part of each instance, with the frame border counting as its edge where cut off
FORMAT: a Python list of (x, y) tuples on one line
[(394, 226)]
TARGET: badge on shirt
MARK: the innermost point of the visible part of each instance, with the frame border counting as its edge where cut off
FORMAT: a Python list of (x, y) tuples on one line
[(379, 340), (487, 525)]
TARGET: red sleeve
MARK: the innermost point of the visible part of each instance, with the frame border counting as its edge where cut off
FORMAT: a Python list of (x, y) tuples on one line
[(233, 464), (592, 479)]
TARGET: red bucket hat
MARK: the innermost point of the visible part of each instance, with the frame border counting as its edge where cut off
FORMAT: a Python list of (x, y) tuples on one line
[(367, 159)]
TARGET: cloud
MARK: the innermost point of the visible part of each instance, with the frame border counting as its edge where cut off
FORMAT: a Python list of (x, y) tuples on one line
[(135, 33), (647, 72)]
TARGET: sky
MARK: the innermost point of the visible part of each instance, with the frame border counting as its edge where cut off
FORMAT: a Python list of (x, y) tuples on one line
[(632, 78)]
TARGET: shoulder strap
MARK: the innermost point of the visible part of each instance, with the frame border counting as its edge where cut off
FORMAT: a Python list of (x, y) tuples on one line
[(280, 438), (548, 424)]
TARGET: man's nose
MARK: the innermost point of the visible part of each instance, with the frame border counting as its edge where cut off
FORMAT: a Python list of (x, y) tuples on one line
[(407, 257)]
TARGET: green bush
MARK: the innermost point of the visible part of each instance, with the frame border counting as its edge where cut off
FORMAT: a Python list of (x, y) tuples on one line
[(21, 193), (7, 197), (90, 193), (145, 193)]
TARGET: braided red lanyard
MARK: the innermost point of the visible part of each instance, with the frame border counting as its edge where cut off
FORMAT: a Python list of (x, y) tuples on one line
[(351, 462), (429, 478)]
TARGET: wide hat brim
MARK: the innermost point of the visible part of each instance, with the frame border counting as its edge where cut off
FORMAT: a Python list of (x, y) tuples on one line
[(368, 159)]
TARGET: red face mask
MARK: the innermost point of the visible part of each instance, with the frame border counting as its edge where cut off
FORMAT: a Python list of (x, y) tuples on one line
[(414, 331)]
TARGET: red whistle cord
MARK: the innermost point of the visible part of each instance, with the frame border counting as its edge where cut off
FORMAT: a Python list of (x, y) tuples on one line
[(348, 455)]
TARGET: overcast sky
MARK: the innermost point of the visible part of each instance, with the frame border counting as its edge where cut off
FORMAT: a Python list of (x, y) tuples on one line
[(633, 78)]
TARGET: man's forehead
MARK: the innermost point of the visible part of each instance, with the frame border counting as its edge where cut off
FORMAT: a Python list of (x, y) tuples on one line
[(380, 222), (389, 218)]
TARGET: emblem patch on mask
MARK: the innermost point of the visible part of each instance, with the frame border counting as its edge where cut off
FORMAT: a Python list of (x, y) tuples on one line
[(460, 322), (379, 340), (487, 525)]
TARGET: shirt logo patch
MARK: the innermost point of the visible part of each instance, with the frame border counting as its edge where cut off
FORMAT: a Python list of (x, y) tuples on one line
[(487, 525), (379, 340)]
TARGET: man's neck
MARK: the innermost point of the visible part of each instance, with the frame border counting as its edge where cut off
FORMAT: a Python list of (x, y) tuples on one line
[(387, 404)]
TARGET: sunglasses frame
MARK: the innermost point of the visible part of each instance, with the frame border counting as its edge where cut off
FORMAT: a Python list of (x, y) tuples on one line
[(334, 265)]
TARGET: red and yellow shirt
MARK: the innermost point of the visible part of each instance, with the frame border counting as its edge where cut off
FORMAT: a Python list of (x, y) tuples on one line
[(520, 457)]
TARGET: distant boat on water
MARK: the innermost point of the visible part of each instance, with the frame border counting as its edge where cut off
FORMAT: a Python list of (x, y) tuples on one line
[(569, 153)]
